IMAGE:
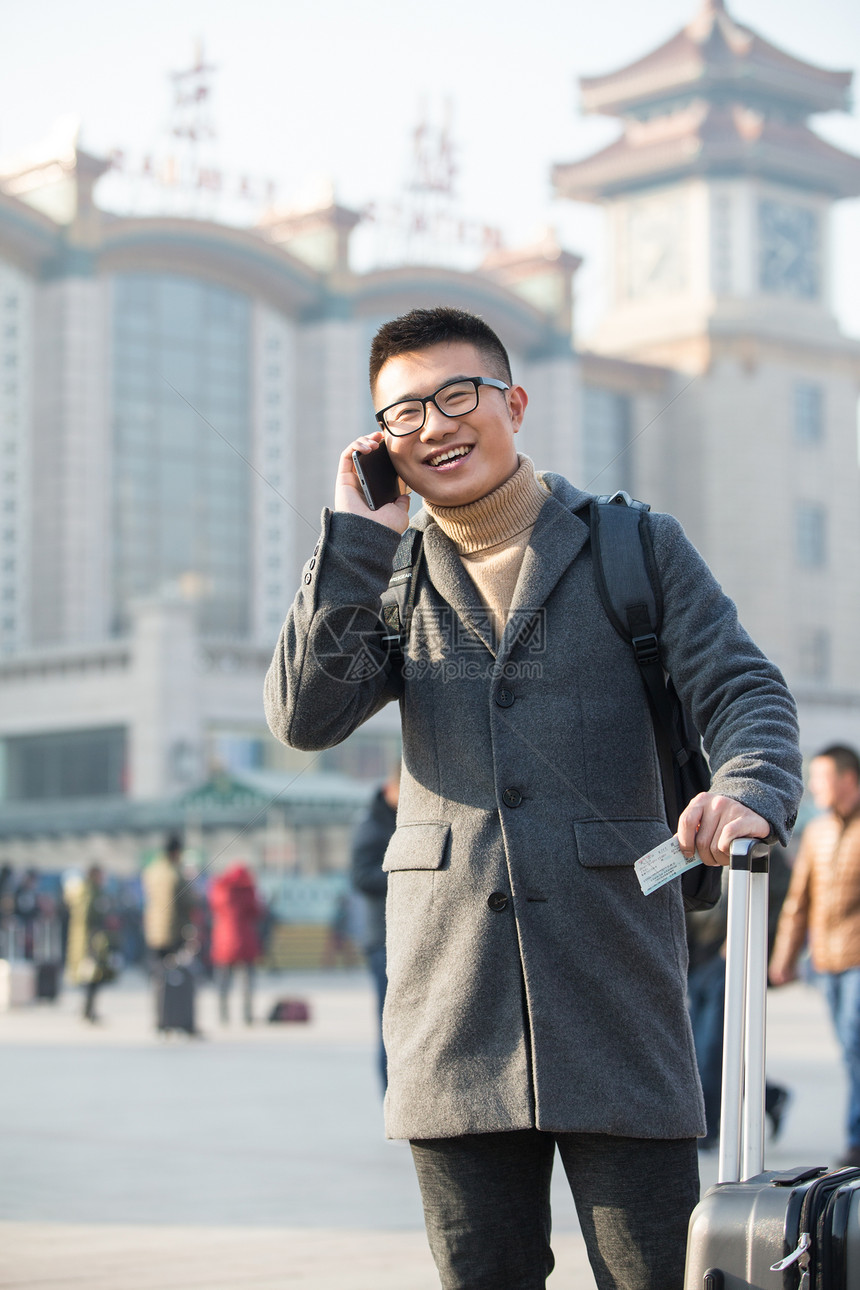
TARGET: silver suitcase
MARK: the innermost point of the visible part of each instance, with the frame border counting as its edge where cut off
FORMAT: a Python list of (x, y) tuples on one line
[(759, 1230)]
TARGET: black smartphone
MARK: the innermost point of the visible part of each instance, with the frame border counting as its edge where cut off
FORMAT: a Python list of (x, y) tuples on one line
[(379, 480)]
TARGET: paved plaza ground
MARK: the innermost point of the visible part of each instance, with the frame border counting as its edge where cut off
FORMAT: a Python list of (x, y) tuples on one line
[(255, 1157)]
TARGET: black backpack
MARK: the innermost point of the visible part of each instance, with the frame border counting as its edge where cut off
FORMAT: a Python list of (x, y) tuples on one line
[(629, 587)]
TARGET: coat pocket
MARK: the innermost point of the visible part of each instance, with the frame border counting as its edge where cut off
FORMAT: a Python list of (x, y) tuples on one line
[(601, 843), (417, 846)]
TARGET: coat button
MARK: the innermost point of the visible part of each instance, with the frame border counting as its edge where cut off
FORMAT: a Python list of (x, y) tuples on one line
[(512, 797), (497, 901), (504, 698), (311, 562), (317, 549), (308, 579)]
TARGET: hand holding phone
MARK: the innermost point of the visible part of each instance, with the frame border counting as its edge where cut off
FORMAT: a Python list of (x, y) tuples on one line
[(350, 496), (379, 481)]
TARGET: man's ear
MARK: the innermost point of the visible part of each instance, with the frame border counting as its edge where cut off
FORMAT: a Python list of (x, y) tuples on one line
[(517, 402)]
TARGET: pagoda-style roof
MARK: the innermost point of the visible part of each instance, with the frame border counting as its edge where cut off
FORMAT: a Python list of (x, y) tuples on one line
[(241, 800), (716, 99), (719, 58), (710, 139)]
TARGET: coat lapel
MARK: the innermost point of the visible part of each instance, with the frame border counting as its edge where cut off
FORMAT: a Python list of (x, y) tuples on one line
[(556, 540), (449, 577)]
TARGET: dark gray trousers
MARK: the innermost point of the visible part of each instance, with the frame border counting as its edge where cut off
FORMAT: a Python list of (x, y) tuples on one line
[(487, 1211)]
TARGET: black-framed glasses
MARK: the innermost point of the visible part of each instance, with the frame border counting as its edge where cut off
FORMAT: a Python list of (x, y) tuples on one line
[(453, 399)]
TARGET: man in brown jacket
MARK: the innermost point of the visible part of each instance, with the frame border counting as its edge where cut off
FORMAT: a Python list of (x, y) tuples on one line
[(824, 900)]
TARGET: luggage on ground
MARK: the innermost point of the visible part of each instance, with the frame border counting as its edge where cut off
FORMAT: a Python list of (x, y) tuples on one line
[(17, 983), (760, 1230), (47, 981), (175, 996), (290, 1010)]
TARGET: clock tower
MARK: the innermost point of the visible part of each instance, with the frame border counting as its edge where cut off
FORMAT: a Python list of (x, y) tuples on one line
[(718, 195), (718, 192)]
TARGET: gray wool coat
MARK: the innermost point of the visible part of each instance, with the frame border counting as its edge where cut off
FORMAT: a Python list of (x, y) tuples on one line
[(531, 984)]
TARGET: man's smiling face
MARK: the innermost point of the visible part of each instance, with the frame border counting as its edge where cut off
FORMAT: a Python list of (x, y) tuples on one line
[(451, 461)]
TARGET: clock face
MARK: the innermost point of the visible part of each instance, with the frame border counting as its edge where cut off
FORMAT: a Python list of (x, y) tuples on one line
[(789, 262), (655, 246)]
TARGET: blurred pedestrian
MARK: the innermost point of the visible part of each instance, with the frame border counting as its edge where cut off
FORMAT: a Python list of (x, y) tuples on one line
[(88, 952), (27, 908), (169, 936), (7, 911), (368, 849), (340, 948), (824, 901), (237, 912), (167, 901)]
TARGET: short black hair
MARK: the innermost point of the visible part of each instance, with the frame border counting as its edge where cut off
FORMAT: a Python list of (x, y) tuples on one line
[(423, 328), (843, 758)]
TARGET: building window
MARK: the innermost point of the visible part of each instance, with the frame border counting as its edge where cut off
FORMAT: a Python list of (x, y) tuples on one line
[(811, 535), (606, 438), (236, 751), (808, 412), (69, 763), (182, 491), (789, 250), (814, 654)]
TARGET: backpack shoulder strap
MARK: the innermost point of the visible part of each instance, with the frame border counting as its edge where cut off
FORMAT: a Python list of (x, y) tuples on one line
[(398, 598), (628, 583), (627, 579)]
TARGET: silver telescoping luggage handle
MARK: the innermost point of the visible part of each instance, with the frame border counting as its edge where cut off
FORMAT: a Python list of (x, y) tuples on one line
[(742, 1102)]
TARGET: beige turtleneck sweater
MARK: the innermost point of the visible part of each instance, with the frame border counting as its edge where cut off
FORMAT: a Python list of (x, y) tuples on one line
[(491, 536)]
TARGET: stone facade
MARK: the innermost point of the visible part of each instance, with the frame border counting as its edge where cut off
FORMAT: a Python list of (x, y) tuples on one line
[(714, 387)]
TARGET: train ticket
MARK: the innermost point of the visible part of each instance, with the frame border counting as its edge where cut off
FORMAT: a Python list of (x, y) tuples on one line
[(662, 865)]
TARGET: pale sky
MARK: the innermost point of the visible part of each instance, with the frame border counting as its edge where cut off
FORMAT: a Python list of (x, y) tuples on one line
[(333, 89)]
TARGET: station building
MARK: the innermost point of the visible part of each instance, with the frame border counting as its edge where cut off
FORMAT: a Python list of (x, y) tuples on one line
[(175, 393)]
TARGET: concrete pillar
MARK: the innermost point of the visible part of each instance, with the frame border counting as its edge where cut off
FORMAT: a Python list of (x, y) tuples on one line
[(166, 727)]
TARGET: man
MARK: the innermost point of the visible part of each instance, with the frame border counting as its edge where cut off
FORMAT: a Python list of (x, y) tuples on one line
[(88, 955), (167, 900), (27, 908), (824, 900), (368, 850), (535, 997), (166, 916)]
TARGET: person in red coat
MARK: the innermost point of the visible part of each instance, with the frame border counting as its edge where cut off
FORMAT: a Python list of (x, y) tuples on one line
[(236, 915)]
